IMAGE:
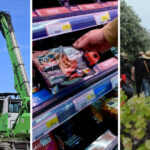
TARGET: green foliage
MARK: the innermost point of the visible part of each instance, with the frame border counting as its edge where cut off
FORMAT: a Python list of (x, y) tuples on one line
[(123, 97), (147, 144), (135, 118), (134, 37), (127, 143)]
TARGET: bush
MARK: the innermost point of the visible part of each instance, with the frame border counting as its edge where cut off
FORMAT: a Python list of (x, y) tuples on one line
[(135, 123)]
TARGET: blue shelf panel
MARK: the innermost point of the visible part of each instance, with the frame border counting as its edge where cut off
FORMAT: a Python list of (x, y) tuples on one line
[(54, 117), (51, 28)]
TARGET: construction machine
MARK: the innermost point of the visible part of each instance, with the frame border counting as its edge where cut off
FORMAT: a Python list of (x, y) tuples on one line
[(14, 113)]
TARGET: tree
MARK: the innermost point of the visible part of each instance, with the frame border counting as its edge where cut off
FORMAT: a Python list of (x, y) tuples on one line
[(134, 37)]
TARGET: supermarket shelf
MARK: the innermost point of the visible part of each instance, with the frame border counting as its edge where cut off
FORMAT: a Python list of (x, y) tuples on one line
[(52, 118), (51, 28), (62, 12), (43, 100)]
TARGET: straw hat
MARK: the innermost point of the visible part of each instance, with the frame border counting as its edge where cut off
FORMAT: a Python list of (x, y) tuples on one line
[(124, 55), (147, 55), (141, 53)]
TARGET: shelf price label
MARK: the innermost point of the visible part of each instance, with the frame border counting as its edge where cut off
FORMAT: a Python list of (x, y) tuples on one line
[(105, 17), (90, 95), (114, 81), (53, 121), (58, 28), (102, 18), (66, 27), (83, 100)]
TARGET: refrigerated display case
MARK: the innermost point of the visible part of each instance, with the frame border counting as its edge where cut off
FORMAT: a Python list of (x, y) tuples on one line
[(58, 94), (91, 128)]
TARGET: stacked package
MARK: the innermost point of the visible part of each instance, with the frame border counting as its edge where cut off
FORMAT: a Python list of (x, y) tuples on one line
[(61, 66), (47, 142), (111, 108), (106, 141)]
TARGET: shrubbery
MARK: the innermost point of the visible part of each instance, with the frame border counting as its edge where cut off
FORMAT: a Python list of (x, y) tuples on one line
[(135, 123)]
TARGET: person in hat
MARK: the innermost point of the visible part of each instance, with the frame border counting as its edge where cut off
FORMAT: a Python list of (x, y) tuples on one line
[(136, 72), (146, 74), (125, 67), (122, 56), (125, 82)]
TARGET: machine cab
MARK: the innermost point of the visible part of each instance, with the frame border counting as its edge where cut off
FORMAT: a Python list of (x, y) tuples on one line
[(10, 106)]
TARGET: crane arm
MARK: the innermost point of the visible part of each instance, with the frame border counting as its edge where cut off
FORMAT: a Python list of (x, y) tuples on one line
[(20, 78), (21, 125)]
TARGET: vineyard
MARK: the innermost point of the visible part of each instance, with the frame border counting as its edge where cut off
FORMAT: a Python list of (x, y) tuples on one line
[(135, 122)]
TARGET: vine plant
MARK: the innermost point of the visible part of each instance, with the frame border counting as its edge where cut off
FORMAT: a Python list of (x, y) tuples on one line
[(135, 122)]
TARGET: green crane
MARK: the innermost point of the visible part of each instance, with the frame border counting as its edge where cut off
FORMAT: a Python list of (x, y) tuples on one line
[(21, 124)]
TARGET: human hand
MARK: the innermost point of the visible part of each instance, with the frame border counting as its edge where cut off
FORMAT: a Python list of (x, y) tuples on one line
[(91, 41)]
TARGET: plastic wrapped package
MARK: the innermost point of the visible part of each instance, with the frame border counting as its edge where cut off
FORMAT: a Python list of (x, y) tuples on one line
[(96, 114), (110, 108), (48, 66), (61, 67), (34, 14), (47, 142), (77, 55), (106, 141), (105, 64)]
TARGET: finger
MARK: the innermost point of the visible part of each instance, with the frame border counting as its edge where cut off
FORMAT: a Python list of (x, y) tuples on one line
[(78, 41), (83, 44)]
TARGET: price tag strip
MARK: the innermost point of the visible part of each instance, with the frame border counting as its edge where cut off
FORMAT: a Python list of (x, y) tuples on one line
[(51, 28)]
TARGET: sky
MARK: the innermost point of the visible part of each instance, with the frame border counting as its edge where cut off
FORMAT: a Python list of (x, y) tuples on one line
[(142, 8), (20, 16)]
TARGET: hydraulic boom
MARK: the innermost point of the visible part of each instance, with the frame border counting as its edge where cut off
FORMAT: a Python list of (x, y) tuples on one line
[(21, 125)]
